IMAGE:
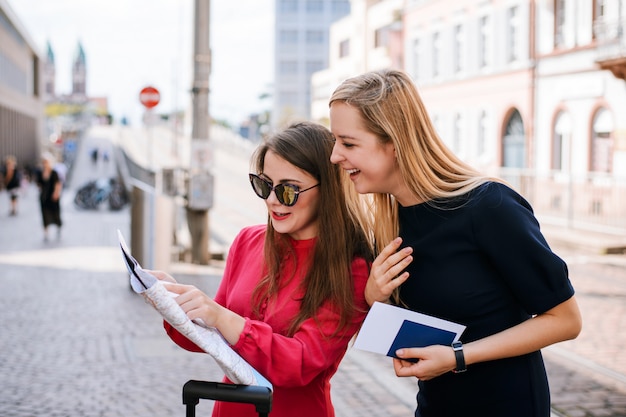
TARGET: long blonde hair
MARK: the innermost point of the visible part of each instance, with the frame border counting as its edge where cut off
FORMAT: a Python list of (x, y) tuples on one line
[(391, 108)]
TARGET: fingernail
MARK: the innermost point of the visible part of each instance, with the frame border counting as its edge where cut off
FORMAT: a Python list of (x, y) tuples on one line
[(399, 352)]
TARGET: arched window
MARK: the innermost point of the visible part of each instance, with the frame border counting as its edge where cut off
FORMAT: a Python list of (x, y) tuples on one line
[(561, 142), (601, 158), (514, 143)]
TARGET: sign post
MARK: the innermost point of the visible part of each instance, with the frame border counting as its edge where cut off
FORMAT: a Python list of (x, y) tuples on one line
[(200, 191), (150, 98)]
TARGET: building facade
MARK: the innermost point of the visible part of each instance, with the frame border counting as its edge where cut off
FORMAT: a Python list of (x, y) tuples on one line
[(369, 38), (21, 103), (531, 91), (301, 48), (69, 114), (580, 90)]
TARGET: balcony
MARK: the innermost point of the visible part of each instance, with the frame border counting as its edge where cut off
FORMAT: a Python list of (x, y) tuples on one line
[(611, 45)]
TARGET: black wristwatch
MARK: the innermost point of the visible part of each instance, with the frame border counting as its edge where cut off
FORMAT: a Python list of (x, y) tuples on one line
[(460, 358)]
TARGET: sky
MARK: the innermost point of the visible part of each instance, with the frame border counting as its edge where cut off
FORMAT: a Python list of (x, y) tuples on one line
[(130, 44)]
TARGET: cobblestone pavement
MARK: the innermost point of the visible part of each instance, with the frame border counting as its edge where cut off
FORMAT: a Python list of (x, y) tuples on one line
[(76, 341)]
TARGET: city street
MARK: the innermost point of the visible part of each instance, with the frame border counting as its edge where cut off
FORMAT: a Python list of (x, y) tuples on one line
[(76, 341)]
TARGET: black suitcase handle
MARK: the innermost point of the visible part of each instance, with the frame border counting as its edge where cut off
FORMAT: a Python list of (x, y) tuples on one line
[(260, 397)]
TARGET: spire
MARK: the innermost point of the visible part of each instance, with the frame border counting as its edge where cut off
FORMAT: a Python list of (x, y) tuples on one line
[(79, 72), (49, 74), (79, 56), (50, 53)]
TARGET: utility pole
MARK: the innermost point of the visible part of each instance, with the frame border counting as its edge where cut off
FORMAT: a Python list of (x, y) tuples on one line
[(200, 187)]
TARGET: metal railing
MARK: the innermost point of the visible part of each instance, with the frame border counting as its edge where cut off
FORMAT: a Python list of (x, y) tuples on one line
[(594, 201), (611, 37)]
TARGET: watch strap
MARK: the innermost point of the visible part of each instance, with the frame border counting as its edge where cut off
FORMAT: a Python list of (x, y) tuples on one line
[(460, 357)]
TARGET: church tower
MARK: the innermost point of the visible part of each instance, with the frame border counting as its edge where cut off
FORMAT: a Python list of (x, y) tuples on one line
[(49, 73), (79, 73)]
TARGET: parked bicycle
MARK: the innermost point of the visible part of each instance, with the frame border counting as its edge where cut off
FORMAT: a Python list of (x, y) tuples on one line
[(94, 193)]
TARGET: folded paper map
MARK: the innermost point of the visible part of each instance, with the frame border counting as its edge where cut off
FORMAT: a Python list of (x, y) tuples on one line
[(207, 338)]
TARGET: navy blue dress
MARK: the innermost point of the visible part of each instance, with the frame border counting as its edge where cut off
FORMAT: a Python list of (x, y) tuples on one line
[(481, 260)]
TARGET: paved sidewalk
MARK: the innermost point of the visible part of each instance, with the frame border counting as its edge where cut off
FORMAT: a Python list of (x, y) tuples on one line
[(77, 342)]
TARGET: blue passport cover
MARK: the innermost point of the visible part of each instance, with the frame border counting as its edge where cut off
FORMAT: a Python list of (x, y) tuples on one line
[(413, 334)]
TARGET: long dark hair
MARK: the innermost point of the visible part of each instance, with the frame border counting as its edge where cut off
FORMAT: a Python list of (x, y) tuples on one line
[(308, 146)]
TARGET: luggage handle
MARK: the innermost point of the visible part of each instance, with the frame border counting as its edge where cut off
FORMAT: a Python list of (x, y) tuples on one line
[(259, 396)]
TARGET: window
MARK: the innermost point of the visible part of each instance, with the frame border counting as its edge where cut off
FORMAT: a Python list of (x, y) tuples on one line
[(288, 37), (381, 37), (12, 76), (288, 6), (314, 66), (482, 133), (340, 7), (600, 12), (456, 138), (484, 40), (315, 36), (600, 17), (436, 53), (288, 67), (344, 48), (514, 143), (459, 46), (314, 6), (288, 98), (513, 47), (559, 23), (416, 59), (560, 142), (602, 142)]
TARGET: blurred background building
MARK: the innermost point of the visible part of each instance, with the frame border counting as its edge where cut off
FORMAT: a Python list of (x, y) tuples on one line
[(301, 48), (21, 101), (531, 91), (71, 113)]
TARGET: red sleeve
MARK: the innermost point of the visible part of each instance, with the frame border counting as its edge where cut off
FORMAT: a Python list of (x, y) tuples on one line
[(179, 339), (314, 349)]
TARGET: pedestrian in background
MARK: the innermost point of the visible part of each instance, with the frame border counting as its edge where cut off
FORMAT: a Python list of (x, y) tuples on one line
[(472, 253), (292, 294), (12, 181), (94, 156), (49, 195)]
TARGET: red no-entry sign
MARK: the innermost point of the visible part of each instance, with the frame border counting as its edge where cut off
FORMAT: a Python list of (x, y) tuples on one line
[(149, 97)]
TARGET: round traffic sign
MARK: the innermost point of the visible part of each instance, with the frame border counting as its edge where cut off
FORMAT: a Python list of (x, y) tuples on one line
[(149, 97)]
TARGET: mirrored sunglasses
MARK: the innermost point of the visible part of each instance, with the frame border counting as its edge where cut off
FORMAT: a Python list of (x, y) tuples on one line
[(287, 194)]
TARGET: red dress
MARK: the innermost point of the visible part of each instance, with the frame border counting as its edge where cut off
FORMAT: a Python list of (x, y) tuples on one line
[(299, 367)]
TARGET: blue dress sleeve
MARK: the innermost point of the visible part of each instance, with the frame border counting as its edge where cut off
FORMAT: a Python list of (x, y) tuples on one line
[(508, 233)]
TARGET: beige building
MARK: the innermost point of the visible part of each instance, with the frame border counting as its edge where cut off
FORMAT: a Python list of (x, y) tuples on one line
[(580, 129), (369, 38), (473, 62), (21, 89), (531, 91)]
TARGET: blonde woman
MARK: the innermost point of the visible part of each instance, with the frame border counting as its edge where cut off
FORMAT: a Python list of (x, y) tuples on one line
[(471, 252)]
